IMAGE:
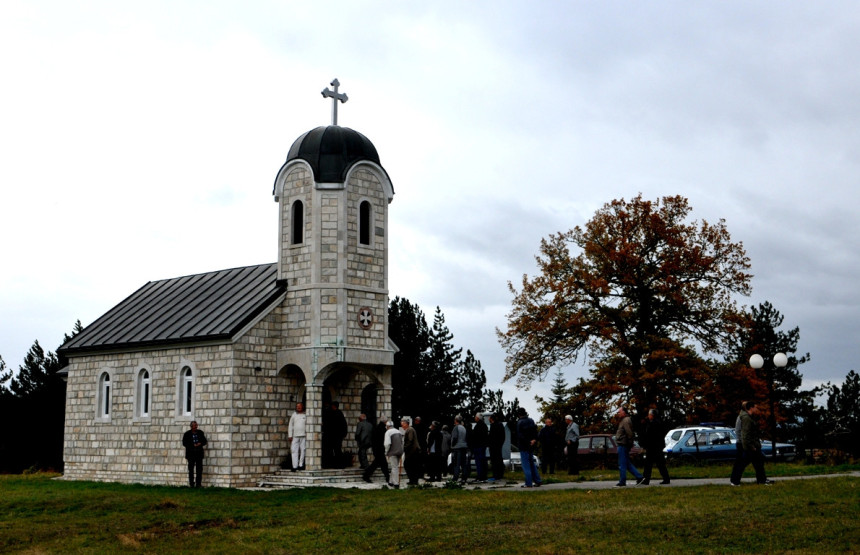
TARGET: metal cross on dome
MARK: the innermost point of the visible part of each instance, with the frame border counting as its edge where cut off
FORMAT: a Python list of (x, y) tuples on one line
[(335, 96)]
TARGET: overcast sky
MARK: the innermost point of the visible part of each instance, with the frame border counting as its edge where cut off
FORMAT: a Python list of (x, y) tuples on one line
[(140, 141)]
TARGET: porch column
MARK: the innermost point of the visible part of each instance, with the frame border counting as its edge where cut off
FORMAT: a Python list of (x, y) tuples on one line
[(313, 458)]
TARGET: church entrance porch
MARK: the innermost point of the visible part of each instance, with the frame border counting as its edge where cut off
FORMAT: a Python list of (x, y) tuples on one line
[(341, 392)]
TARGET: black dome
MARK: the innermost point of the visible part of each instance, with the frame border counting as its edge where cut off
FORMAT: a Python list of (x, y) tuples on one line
[(331, 150)]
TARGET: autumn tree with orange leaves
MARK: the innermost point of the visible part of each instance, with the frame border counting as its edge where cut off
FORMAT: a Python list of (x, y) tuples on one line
[(641, 292)]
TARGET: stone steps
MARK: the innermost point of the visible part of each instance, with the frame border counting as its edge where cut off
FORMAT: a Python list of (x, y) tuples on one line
[(312, 478)]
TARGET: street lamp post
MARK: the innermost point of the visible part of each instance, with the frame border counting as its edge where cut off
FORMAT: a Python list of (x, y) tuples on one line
[(779, 361)]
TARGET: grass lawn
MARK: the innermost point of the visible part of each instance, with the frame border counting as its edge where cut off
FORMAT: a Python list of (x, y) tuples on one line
[(42, 515)]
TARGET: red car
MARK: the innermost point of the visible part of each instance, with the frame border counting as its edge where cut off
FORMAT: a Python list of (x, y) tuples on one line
[(601, 451)]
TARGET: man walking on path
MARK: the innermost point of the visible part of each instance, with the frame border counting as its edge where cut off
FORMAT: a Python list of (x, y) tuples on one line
[(378, 446), (624, 439), (752, 447), (654, 443), (363, 439)]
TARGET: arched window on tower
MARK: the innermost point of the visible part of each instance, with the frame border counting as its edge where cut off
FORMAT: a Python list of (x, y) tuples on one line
[(297, 226), (364, 223)]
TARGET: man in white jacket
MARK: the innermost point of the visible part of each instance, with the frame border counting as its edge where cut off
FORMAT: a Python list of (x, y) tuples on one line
[(393, 445), (296, 434)]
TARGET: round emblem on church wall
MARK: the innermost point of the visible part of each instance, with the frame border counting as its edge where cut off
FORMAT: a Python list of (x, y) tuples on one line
[(365, 317)]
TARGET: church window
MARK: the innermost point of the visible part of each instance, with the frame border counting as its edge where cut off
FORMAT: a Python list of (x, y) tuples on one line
[(297, 223), (143, 394), (187, 391), (364, 223), (104, 397)]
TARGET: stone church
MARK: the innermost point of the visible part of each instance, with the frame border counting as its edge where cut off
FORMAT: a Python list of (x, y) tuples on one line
[(236, 349)]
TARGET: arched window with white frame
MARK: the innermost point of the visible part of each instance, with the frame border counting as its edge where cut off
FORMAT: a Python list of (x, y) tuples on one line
[(187, 392), (297, 223), (143, 394), (365, 223), (103, 397)]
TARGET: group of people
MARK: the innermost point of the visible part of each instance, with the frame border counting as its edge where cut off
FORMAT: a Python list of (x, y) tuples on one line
[(653, 441), (423, 452)]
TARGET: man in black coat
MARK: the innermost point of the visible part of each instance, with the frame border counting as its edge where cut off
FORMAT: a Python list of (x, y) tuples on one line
[(194, 440), (479, 441), (378, 448), (497, 442), (334, 429), (654, 442)]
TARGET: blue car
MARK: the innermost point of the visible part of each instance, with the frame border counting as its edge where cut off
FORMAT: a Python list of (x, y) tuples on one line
[(719, 444)]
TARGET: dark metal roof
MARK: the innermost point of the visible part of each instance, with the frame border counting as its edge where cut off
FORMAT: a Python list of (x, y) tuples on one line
[(202, 307), (331, 150)]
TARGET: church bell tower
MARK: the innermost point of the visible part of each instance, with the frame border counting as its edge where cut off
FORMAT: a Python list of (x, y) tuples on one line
[(333, 196)]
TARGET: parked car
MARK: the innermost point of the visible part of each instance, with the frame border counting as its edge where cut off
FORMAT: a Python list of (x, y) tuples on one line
[(515, 462), (719, 444), (601, 451), (674, 436), (512, 462)]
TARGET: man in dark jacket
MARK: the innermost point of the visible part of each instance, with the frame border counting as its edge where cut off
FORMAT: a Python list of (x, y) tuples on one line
[(527, 441), (479, 441), (548, 439), (411, 452), (654, 442), (497, 442), (433, 457), (378, 447), (334, 429), (752, 446), (363, 439), (194, 440)]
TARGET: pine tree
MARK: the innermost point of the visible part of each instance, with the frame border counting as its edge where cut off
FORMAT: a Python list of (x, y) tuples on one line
[(408, 329), (474, 380), (446, 382)]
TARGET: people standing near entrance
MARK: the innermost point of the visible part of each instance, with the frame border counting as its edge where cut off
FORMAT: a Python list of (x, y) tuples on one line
[(496, 442), (571, 444), (334, 430), (411, 451), (378, 447), (624, 439), (393, 445), (194, 440), (459, 446), (751, 440), (363, 439), (548, 439), (527, 440), (297, 436), (654, 442), (479, 442)]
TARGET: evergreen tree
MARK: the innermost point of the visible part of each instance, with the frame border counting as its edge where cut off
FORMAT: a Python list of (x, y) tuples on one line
[(560, 390), (782, 401), (446, 392), (474, 380), (494, 401), (842, 416), (408, 329)]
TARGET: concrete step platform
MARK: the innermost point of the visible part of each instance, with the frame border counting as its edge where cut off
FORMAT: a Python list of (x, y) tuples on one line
[(315, 478)]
